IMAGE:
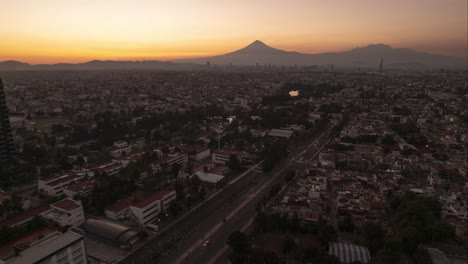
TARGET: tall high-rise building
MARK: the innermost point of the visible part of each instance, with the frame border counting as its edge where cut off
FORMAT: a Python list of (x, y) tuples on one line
[(6, 141)]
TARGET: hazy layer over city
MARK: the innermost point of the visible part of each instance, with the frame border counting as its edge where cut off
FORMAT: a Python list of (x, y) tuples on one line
[(233, 132), (53, 31)]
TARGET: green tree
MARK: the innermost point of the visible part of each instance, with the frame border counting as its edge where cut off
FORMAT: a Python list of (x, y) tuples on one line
[(421, 256), (233, 162), (275, 189), (142, 235), (386, 256), (175, 169), (202, 192), (261, 257), (373, 237), (175, 208), (388, 140), (288, 245), (165, 150), (327, 234), (346, 224), (240, 245), (34, 153), (179, 188), (80, 161), (195, 182)]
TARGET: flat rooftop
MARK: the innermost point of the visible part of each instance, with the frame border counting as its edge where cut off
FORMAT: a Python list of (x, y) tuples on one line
[(45, 247), (66, 204)]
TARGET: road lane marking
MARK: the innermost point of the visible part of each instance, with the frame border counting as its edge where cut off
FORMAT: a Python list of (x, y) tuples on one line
[(226, 247), (217, 226), (244, 203)]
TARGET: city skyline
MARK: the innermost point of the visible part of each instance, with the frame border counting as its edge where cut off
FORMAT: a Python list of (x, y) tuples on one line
[(79, 31)]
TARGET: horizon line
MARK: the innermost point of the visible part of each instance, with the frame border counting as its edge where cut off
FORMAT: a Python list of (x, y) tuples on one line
[(176, 58)]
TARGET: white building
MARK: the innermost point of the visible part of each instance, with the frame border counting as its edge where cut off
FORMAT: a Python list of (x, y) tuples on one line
[(258, 132), (56, 248), (281, 133), (209, 177), (119, 149), (134, 157), (121, 208), (66, 212), (84, 172), (148, 209), (222, 156), (83, 188), (110, 168), (138, 143), (53, 186), (201, 153), (180, 159), (196, 152), (117, 213)]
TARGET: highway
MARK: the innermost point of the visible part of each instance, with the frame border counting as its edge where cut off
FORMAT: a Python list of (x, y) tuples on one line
[(189, 222), (236, 203), (237, 214)]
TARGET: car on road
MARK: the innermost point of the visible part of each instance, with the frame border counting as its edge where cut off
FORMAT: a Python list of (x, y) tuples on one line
[(206, 243)]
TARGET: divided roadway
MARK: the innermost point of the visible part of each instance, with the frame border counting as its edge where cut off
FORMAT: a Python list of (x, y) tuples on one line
[(206, 222)]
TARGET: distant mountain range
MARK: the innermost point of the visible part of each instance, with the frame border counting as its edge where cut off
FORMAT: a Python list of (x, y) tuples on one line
[(258, 53), (93, 65), (370, 56)]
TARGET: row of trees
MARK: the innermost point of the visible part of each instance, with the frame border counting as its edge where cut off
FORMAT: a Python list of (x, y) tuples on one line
[(8, 233), (273, 153), (10, 206), (244, 252), (415, 221), (410, 132), (108, 190), (282, 223), (10, 177)]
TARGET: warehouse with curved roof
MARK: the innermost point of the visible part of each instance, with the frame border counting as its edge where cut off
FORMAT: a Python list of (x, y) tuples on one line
[(114, 232)]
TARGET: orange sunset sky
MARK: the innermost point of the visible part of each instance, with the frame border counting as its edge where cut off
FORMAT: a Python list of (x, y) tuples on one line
[(50, 31)]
